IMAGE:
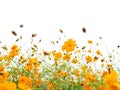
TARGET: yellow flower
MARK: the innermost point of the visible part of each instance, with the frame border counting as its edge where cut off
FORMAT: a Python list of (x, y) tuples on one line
[(111, 81), (38, 82), (88, 58), (23, 79), (89, 51), (69, 45), (76, 73), (84, 67), (90, 41), (7, 86), (25, 83), (1, 58), (49, 85), (98, 52), (62, 74), (28, 67), (101, 88), (14, 51), (88, 87), (7, 57), (57, 55), (67, 57), (74, 60), (34, 62), (4, 76), (90, 77), (78, 51)]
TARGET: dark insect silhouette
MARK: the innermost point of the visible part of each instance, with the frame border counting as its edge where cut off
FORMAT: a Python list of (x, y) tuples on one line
[(61, 31), (4, 47), (84, 29), (21, 26), (14, 33), (34, 35), (118, 46)]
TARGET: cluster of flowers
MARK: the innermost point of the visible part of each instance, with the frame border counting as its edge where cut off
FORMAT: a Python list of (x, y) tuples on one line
[(68, 68)]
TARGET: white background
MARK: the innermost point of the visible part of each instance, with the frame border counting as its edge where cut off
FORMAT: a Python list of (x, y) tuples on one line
[(46, 17)]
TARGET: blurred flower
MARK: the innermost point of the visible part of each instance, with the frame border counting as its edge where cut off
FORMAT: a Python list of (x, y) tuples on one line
[(8, 86), (90, 41), (14, 51), (69, 45), (57, 55), (67, 57), (25, 83), (111, 81), (98, 52), (88, 59)]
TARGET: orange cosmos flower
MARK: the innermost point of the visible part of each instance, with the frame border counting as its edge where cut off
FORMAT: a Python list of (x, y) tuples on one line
[(14, 51), (84, 67), (98, 52), (89, 51), (7, 86), (76, 73), (57, 55), (49, 85), (69, 45), (38, 82), (67, 57), (88, 87), (90, 41), (23, 79), (88, 58), (25, 83), (74, 60), (33, 61), (102, 88), (90, 77), (111, 81), (33, 64)]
